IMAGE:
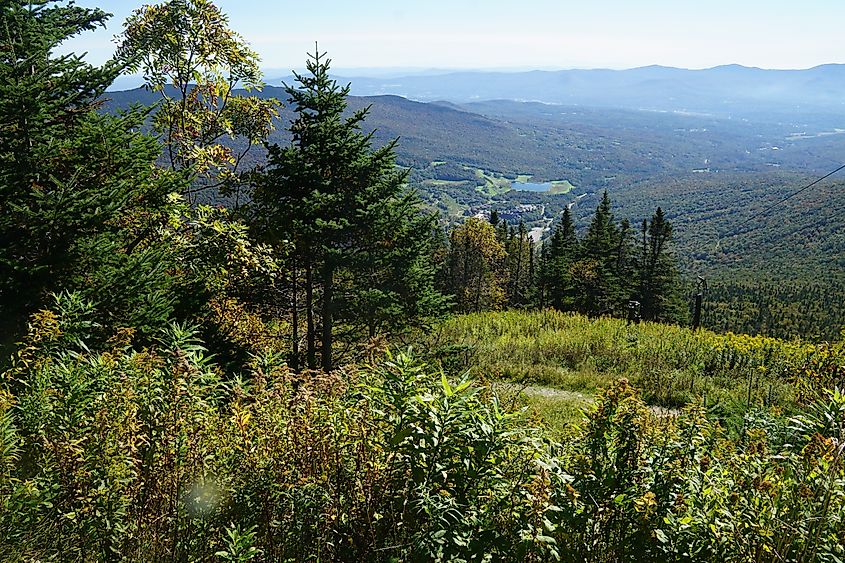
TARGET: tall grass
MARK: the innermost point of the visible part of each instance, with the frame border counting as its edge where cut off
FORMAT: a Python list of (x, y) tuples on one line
[(672, 365)]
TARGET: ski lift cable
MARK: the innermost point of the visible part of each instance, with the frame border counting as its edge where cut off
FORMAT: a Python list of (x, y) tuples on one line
[(782, 200)]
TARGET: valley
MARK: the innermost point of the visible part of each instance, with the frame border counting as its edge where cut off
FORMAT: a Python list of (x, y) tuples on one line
[(527, 161), (584, 316)]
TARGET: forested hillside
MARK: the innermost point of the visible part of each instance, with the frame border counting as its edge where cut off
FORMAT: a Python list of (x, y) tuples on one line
[(779, 273), (709, 175), (237, 325)]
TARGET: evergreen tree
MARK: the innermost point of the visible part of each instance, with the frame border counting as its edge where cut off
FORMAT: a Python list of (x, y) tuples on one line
[(343, 207), (494, 218), (390, 280), (595, 272), (560, 256), (657, 288), (502, 229), (75, 186), (543, 276), (519, 249), (625, 266)]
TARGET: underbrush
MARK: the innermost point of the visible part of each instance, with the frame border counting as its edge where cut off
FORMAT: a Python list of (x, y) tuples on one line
[(157, 455)]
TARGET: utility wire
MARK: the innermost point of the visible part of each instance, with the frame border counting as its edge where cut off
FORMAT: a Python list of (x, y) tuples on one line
[(790, 196)]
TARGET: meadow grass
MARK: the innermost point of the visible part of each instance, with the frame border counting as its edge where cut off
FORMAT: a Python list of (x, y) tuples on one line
[(672, 365), (560, 187), (494, 185)]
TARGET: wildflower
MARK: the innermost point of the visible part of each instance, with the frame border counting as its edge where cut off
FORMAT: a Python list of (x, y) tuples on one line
[(818, 448), (646, 503)]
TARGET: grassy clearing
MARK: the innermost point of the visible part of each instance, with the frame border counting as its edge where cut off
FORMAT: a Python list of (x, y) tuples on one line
[(558, 410), (441, 183), (493, 184), (560, 187), (673, 366)]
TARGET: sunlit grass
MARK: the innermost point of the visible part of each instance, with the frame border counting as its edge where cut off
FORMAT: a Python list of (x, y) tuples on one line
[(672, 365), (560, 187), (493, 184)]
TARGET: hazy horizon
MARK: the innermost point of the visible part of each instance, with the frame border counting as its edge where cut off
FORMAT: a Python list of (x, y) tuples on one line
[(274, 75), (381, 36), (517, 69)]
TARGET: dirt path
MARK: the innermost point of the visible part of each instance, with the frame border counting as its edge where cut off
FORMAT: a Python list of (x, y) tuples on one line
[(539, 391)]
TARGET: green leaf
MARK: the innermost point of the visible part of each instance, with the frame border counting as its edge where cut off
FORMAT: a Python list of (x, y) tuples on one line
[(446, 387)]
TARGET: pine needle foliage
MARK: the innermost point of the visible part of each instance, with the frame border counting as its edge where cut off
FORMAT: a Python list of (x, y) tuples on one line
[(359, 238)]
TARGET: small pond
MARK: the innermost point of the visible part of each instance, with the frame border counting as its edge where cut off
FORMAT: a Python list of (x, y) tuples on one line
[(532, 186)]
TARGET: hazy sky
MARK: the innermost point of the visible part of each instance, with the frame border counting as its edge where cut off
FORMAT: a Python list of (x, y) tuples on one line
[(527, 33)]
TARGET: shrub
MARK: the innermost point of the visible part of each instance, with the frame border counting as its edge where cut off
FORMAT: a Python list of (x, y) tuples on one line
[(155, 454), (158, 454)]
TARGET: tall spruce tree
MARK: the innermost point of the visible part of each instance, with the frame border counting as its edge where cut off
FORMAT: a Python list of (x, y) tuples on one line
[(390, 281), (75, 185), (42, 98), (344, 208), (625, 266), (595, 272), (657, 276), (560, 256)]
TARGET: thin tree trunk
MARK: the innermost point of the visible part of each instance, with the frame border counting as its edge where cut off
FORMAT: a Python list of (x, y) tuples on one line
[(532, 266), (294, 359), (465, 276), (328, 296), (478, 290), (311, 335), (516, 293)]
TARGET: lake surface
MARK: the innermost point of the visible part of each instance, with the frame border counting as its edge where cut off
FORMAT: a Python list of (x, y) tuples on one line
[(531, 186)]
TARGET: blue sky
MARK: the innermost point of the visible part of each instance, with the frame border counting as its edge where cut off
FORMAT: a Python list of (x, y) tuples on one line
[(527, 33)]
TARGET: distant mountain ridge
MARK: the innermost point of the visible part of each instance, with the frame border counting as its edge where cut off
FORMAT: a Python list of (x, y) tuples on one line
[(722, 91), (594, 147)]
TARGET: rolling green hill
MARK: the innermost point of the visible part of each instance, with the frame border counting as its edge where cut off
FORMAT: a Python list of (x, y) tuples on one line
[(781, 274)]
